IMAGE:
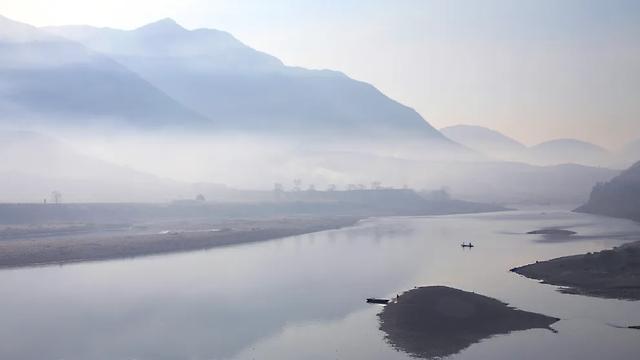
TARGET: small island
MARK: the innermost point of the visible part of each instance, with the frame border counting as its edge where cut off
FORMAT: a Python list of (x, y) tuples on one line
[(613, 273), (552, 232), (437, 321)]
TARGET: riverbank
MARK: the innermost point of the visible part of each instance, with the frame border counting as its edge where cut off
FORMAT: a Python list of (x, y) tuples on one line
[(33, 234), (74, 243), (613, 273)]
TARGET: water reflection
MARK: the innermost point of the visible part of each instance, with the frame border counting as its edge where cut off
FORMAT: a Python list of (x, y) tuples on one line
[(206, 304)]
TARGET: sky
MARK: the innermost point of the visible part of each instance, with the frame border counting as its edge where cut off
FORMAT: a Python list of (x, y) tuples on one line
[(532, 69)]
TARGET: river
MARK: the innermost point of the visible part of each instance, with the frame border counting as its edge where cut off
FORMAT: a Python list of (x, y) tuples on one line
[(303, 297)]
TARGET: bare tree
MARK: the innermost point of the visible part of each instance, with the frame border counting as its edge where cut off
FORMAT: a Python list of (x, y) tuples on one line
[(297, 184), (376, 185), (278, 190), (56, 197), (331, 187)]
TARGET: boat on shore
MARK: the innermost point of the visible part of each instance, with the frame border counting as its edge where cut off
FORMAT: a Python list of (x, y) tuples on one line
[(377, 301)]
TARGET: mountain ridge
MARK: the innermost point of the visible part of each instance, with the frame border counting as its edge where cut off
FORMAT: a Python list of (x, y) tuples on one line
[(50, 80), (496, 145), (221, 78), (485, 140), (567, 150)]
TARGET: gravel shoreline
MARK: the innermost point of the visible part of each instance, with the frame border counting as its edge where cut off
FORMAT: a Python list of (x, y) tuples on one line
[(613, 273), (103, 245)]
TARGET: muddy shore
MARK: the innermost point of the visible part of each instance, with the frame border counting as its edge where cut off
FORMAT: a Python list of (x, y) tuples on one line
[(613, 273), (57, 244)]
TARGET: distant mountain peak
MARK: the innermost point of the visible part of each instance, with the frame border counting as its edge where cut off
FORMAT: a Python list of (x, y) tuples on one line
[(15, 31), (469, 131), (484, 140), (563, 143), (162, 25), (567, 150)]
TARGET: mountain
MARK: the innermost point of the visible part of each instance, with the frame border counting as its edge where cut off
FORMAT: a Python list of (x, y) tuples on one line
[(554, 152), (567, 151), (486, 141), (513, 183), (629, 154), (619, 197), (244, 90), (48, 79), (210, 84), (34, 165)]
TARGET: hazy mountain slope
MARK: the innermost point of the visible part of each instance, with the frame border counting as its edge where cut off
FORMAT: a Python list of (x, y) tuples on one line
[(553, 152), (487, 141), (33, 165), (502, 182), (629, 154), (518, 183), (565, 151), (248, 91), (46, 78), (619, 197)]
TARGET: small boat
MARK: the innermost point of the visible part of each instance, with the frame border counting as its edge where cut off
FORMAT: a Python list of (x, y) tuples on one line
[(469, 245), (377, 301)]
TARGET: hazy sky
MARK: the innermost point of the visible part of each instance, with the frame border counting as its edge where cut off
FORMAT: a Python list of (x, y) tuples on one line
[(534, 69)]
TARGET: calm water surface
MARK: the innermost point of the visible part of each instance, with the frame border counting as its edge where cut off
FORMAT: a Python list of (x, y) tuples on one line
[(303, 297)]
